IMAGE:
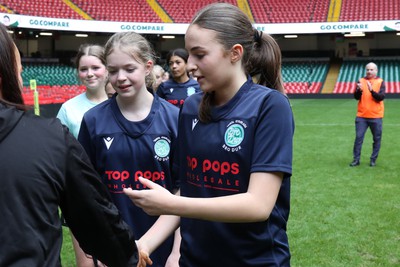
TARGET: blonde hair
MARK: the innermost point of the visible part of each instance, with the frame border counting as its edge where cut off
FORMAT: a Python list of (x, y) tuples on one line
[(135, 45)]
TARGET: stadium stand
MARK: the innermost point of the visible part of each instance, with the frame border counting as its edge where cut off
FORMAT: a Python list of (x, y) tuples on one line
[(360, 10), (58, 83), (183, 11), (49, 74), (55, 94), (289, 11), (354, 68), (43, 8), (119, 10), (263, 11), (304, 75)]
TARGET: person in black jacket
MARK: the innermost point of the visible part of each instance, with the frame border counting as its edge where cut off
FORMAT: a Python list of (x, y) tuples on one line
[(44, 168)]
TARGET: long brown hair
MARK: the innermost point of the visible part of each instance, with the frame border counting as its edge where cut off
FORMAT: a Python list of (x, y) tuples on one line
[(261, 54), (10, 86)]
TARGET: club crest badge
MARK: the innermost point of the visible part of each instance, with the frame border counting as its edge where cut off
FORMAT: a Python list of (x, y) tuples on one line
[(190, 91), (234, 135), (162, 147)]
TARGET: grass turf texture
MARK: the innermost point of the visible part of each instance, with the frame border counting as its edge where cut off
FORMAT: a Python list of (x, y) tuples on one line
[(340, 215)]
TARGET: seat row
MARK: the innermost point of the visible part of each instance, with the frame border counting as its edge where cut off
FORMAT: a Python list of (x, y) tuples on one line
[(274, 11), (58, 83)]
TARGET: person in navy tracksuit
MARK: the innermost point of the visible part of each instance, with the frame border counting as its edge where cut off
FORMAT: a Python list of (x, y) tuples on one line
[(132, 134), (235, 151)]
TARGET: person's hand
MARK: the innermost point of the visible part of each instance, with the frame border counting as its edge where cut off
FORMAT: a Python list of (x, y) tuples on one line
[(154, 200), (100, 264), (359, 86), (144, 257), (369, 86)]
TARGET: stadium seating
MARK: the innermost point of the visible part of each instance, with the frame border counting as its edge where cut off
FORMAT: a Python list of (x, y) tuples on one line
[(55, 94), (264, 11), (43, 8), (183, 11), (119, 10), (289, 11), (49, 74), (56, 83), (353, 69), (360, 10), (304, 76)]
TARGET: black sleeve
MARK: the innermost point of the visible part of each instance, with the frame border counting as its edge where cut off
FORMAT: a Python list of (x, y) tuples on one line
[(357, 92), (381, 95), (92, 217)]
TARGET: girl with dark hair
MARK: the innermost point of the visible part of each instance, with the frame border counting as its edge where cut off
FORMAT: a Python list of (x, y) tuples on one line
[(235, 151), (43, 169), (180, 85)]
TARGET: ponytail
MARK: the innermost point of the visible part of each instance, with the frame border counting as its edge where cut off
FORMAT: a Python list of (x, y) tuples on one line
[(205, 107), (265, 62)]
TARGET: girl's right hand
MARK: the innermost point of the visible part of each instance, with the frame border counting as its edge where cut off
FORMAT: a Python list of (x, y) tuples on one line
[(144, 258)]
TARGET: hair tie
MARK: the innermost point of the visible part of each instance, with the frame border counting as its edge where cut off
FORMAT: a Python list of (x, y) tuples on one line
[(257, 36)]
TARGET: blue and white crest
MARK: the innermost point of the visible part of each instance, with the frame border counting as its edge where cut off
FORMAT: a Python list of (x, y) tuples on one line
[(190, 91), (162, 148)]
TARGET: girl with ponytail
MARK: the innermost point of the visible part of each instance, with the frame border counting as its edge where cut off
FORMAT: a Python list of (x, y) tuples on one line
[(235, 144)]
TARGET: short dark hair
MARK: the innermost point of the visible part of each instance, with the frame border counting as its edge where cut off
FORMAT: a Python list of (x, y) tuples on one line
[(179, 52)]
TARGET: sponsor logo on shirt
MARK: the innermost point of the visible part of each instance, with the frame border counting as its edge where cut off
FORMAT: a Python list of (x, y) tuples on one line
[(108, 141), (213, 174), (217, 174), (171, 90), (162, 147), (194, 123), (176, 102), (116, 181)]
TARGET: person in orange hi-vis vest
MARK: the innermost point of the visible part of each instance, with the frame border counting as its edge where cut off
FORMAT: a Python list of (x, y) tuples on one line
[(370, 93)]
